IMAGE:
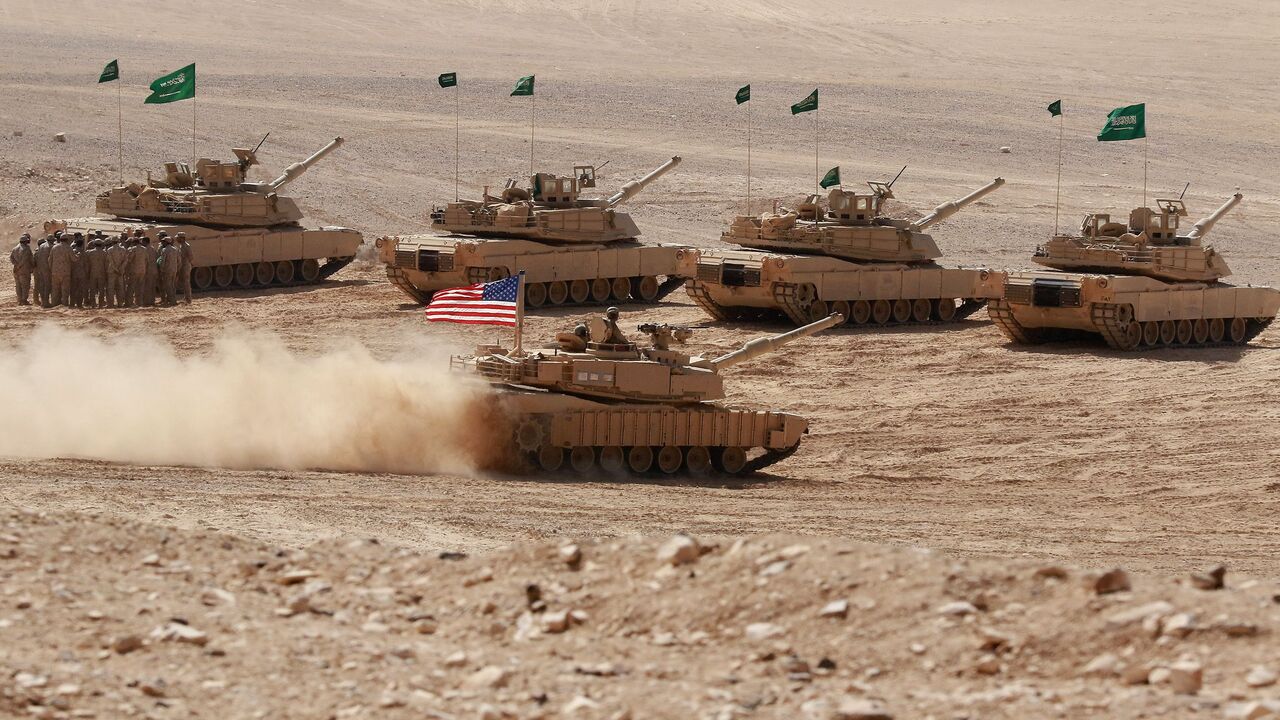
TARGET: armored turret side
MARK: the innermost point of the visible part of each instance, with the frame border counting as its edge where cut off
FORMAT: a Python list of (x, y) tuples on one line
[(1143, 287), (242, 234), (603, 403)]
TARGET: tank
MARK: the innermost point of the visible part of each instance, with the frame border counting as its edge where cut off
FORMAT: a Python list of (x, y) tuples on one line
[(596, 401), (243, 234), (1138, 284), (573, 250), (845, 257)]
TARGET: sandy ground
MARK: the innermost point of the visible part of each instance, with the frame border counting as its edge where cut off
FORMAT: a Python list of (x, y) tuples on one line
[(948, 439)]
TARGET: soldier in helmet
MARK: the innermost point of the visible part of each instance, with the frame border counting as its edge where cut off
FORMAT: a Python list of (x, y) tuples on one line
[(96, 257), (612, 333), (115, 254), (43, 275), (135, 269), (151, 277), (79, 272), (188, 264), (169, 264), (60, 261), (24, 262)]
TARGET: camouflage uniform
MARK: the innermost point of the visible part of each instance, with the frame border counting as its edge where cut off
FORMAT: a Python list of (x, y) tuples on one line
[(149, 280), (96, 257), (60, 261), (188, 265), (43, 275), (116, 255), (135, 271), (79, 274), (24, 262), (170, 264)]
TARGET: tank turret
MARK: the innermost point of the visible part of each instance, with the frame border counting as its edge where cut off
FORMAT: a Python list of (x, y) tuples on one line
[(851, 227), (1149, 244), (598, 366), (550, 210), (217, 194)]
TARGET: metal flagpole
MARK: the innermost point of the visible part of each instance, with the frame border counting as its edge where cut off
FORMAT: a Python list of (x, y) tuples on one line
[(816, 190), (193, 133), (748, 157), (519, 310), (1146, 217), (457, 135), (120, 128), (532, 104), (1057, 202)]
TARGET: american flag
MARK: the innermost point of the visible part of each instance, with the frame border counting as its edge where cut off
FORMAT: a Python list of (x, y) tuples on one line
[(492, 303)]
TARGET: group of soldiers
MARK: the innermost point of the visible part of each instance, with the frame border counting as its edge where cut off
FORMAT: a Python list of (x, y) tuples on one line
[(100, 272)]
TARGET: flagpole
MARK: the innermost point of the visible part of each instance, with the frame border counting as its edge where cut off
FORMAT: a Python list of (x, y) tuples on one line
[(519, 311), (457, 136), (193, 133), (120, 128), (1057, 202), (816, 191), (748, 157), (532, 105)]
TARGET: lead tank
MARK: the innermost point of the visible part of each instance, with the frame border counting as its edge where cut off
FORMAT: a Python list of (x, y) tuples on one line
[(846, 257), (597, 401), (1139, 284), (572, 249), (243, 234)]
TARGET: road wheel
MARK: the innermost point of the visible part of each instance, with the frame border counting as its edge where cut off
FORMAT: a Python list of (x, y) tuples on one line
[(945, 309), (582, 459), (1168, 332), (670, 459), (1185, 332), (861, 312), (901, 310), (612, 459), (310, 270), (1132, 336), (817, 310), (264, 273), (599, 290), (698, 460), (284, 272), (730, 460), (535, 295), (1200, 331), (550, 458), (640, 459), (557, 292), (921, 309), (202, 278), (244, 275), (579, 291), (1217, 330), (498, 273), (620, 289), (1150, 333), (1238, 329), (645, 288), (224, 275), (842, 307), (881, 311)]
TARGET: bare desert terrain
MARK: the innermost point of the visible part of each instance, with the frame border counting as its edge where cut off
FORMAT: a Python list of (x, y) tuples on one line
[(286, 426)]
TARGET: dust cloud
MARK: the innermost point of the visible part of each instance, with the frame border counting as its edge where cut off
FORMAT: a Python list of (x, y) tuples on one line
[(250, 403)]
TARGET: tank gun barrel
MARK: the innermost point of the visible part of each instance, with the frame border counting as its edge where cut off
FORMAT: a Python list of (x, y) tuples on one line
[(294, 171), (1203, 227), (946, 210), (762, 345), (633, 188)]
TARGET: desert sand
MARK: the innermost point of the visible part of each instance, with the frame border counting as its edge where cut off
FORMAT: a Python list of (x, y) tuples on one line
[(326, 414)]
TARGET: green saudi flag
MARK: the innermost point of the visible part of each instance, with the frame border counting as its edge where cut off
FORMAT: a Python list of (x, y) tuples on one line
[(1055, 108), (447, 79), (524, 86), (744, 94), (1125, 123), (808, 104), (110, 72), (177, 85), (831, 178)]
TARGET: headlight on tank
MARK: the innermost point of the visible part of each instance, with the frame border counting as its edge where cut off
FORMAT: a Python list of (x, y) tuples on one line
[(984, 274), (779, 263), (1102, 282)]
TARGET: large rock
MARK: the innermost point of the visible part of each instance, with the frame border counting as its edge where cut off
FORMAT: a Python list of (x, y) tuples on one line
[(679, 550), (860, 709), (1112, 581), (488, 678), (1186, 677)]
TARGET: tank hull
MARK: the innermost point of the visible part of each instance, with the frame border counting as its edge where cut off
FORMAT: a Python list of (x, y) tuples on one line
[(804, 288), (616, 273), (553, 431), (1131, 312), (586, 225), (240, 258)]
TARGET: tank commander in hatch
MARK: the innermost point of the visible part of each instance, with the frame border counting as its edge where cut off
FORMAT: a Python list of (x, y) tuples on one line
[(612, 333)]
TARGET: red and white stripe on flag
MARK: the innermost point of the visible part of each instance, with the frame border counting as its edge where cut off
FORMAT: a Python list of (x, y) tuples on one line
[(491, 303)]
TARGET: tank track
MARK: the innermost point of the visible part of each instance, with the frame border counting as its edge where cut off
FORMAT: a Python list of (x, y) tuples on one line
[(529, 463), (333, 265), (1110, 322), (796, 308), (770, 457), (325, 271), (397, 277), (1002, 316), (698, 293)]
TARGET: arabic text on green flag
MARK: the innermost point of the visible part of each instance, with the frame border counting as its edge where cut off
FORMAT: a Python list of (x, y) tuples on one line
[(177, 85), (1055, 108), (447, 79), (1125, 123), (808, 104), (110, 72), (831, 178), (524, 86), (744, 94)]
